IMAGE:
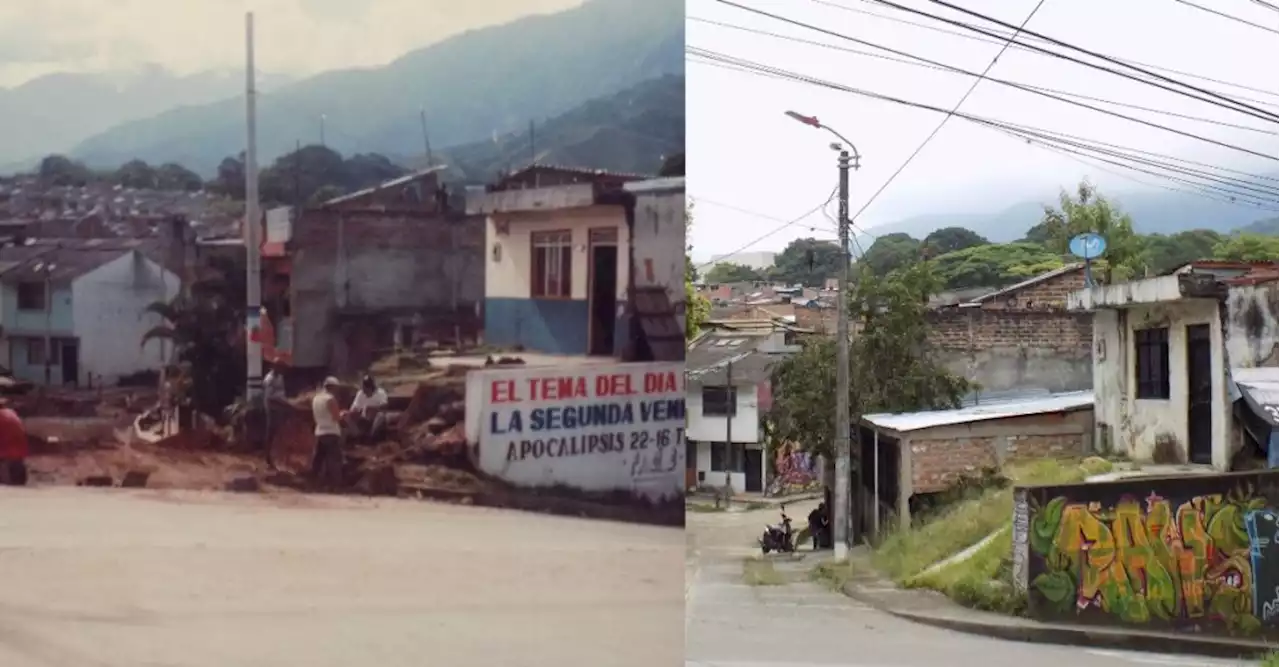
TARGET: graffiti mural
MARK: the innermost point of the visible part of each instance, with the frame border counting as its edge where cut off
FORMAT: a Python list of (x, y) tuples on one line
[(795, 472), (1165, 555)]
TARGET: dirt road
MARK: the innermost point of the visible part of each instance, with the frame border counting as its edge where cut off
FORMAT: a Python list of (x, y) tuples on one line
[(106, 578)]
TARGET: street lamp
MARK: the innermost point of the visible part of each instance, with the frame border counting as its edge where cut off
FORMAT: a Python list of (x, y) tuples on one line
[(842, 497)]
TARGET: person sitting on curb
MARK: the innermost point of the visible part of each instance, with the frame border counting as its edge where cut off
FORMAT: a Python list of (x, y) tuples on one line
[(369, 411)]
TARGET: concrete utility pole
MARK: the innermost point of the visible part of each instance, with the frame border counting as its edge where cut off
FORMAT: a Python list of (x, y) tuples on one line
[(843, 498), (252, 222)]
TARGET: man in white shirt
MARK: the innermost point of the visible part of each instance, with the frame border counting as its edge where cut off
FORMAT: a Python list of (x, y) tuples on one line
[(326, 465), (369, 411)]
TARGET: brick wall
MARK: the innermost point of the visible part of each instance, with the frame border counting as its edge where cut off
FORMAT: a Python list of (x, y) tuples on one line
[(936, 463), (1009, 350), (1050, 294)]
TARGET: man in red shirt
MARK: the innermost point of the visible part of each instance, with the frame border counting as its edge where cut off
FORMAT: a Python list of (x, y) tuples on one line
[(13, 447)]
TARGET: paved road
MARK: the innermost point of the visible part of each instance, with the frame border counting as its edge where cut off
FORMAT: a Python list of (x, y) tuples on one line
[(802, 624), (111, 578)]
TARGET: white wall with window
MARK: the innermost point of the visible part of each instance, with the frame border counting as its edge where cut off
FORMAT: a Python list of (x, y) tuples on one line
[(716, 414), (1143, 376), (543, 255)]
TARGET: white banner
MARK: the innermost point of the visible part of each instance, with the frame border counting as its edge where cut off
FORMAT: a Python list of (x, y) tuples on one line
[(597, 427)]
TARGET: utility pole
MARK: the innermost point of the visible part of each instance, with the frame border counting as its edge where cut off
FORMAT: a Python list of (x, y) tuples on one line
[(426, 138), (843, 497), (730, 407), (252, 221)]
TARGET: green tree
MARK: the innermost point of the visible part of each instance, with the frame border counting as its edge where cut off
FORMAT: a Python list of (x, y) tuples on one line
[(1088, 211), (807, 262), (1245, 247), (698, 308), (891, 365), (173, 176), (951, 239), (994, 265), (890, 253), (135, 174), (1163, 254), (206, 326), (59, 170), (729, 272)]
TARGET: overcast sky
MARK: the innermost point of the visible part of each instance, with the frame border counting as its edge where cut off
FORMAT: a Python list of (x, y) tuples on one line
[(293, 36), (745, 153)]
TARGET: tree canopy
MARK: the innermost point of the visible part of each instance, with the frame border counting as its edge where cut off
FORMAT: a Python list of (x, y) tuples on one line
[(951, 239), (807, 262), (891, 366), (697, 308), (890, 252), (1246, 247), (994, 265), (729, 272)]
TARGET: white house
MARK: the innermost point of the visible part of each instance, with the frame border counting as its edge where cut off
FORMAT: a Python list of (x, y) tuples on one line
[(566, 251), (1166, 354), (74, 311), (728, 392)]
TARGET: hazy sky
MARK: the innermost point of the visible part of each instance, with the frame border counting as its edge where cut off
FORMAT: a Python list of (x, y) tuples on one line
[(745, 153), (293, 36)]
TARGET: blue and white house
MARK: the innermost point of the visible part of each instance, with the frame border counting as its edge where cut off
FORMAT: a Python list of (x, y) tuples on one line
[(72, 311), (566, 251)]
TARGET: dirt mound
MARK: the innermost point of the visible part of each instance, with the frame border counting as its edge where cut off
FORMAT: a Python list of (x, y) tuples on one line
[(441, 397)]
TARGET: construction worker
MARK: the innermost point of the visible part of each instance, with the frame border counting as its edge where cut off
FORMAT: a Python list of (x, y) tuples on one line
[(368, 411), (14, 448), (326, 466)]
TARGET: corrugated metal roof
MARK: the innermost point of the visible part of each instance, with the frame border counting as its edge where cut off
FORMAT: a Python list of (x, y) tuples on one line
[(915, 421)]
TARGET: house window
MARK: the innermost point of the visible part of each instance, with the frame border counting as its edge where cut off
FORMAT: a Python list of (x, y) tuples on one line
[(35, 352), (719, 401), (552, 254), (1151, 348), (31, 296), (727, 458)]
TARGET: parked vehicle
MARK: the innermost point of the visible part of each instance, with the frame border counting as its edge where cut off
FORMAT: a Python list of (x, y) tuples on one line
[(779, 537)]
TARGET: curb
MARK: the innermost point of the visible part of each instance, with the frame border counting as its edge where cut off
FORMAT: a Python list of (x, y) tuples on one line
[(1038, 633)]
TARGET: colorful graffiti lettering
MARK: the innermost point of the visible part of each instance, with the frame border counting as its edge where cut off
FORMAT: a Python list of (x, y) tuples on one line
[(1208, 561), (795, 471)]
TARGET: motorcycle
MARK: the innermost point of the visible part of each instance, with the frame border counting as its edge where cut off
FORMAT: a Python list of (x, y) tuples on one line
[(778, 537)]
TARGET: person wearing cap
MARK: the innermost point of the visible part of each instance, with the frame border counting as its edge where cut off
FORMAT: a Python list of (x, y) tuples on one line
[(14, 448), (326, 466), (368, 410)]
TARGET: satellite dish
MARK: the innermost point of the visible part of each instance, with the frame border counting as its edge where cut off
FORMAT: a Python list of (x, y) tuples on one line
[(1087, 246)]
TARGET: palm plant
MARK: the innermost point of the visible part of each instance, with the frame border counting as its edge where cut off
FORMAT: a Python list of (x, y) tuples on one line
[(205, 324)]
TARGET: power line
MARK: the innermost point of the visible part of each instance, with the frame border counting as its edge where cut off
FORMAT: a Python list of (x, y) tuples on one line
[(1025, 133), (1225, 15), (1268, 5), (917, 63), (1239, 107), (952, 112), (1000, 37), (785, 225), (1018, 86)]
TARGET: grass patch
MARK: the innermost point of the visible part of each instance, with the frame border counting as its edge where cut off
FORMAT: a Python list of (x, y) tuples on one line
[(905, 553), (1271, 660), (981, 581), (760, 572), (833, 575)]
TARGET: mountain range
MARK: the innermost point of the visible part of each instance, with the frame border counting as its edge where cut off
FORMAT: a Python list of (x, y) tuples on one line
[(1153, 212), (53, 113), (478, 85)]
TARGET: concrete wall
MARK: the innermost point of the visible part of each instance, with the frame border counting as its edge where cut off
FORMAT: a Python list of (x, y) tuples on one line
[(1004, 349), (1188, 554), (658, 244), (737, 480), (596, 427), (371, 262), (107, 308), (21, 326), (1252, 325), (559, 326), (1145, 429)]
